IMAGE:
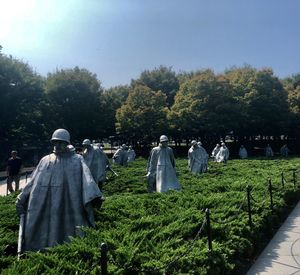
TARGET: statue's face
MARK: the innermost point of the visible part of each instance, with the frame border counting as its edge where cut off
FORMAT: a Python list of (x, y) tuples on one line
[(60, 146), (164, 143), (14, 155)]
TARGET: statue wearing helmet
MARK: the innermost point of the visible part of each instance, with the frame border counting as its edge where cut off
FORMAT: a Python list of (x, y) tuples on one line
[(161, 168), (121, 156), (223, 154), (197, 158), (60, 140), (59, 195), (131, 154), (96, 160)]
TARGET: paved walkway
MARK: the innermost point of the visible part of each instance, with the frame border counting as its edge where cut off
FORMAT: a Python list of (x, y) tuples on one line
[(3, 186), (282, 255)]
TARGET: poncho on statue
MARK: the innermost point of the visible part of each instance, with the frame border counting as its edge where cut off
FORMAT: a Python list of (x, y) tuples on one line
[(284, 150), (161, 169), (215, 151), (243, 152), (57, 200), (269, 151), (121, 156), (131, 154), (97, 161), (197, 158), (223, 154)]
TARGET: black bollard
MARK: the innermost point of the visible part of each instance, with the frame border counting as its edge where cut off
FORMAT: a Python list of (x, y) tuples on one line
[(294, 178), (103, 259), (282, 179), (208, 229), (271, 195), (249, 206)]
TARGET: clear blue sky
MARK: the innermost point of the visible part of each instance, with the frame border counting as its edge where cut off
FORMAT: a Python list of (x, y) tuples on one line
[(118, 39)]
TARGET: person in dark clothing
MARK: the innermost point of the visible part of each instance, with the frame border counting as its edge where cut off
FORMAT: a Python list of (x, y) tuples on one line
[(13, 169)]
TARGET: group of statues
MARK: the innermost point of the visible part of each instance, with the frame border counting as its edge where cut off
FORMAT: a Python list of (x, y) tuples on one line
[(268, 151), (65, 186), (59, 198), (220, 153), (123, 155)]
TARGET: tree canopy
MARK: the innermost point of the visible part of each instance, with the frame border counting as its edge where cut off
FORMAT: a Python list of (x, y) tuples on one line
[(160, 79), (143, 116), (204, 106), (74, 98), (243, 101), (22, 101)]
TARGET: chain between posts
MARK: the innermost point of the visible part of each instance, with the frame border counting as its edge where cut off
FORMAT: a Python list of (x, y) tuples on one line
[(257, 202)]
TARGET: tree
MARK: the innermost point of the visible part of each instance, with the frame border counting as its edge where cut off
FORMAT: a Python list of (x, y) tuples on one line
[(111, 100), (74, 96), (160, 79), (263, 100), (143, 116), (292, 86), (21, 102), (204, 107)]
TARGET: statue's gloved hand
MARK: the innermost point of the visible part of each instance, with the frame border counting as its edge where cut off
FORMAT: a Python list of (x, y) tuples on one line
[(147, 176)]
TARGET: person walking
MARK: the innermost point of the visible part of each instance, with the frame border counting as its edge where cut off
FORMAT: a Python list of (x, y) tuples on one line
[(13, 170)]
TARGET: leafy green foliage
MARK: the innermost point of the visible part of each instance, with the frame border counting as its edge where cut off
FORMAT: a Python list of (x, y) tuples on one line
[(204, 105), (111, 100), (21, 101), (143, 115), (155, 233), (262, 98), (74, 95), (160, 79)]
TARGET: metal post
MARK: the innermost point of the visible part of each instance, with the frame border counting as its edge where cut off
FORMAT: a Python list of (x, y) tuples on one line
[(282, 179), (294, 178), (271, 195), (249, 206), (26, 177), (208, 229), (103, 259)]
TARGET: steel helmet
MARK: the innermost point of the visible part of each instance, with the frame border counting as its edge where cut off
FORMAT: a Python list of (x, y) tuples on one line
[(86, 142), (71, 148), (163, 138), (61, 134), (193, 142)]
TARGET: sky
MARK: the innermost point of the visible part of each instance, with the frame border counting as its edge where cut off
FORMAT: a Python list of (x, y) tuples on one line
[(119, 39)]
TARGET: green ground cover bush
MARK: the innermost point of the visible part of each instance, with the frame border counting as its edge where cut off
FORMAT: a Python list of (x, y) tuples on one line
[(155, 233)]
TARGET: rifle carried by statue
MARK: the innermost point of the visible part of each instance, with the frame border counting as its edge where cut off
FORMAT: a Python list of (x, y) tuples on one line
[(110, 169)]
